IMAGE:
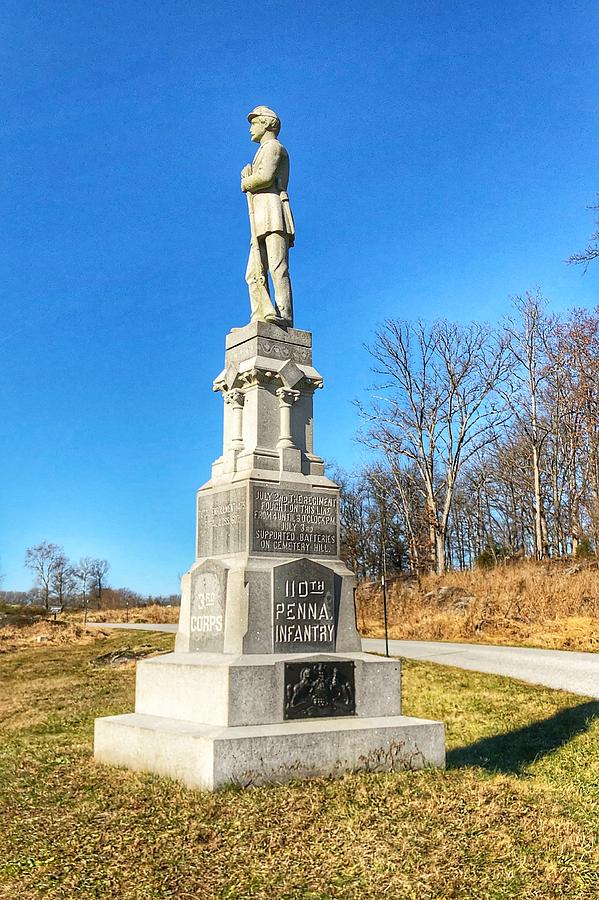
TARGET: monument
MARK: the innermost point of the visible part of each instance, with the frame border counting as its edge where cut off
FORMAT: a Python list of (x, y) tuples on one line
[(268, 681)]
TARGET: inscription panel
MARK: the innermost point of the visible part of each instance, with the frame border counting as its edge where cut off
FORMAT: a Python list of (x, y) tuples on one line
[(222, 522), (294, 523), (208, 596), (304, 608), (318, 689)]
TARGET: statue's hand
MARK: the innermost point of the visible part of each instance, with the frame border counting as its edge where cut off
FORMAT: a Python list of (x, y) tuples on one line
[(245, 173)]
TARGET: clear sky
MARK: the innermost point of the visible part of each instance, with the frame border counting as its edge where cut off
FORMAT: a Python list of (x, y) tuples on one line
[(443, 154)]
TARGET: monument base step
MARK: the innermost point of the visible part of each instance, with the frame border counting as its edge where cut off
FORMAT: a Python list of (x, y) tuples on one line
[(228, 690), (212, 756)]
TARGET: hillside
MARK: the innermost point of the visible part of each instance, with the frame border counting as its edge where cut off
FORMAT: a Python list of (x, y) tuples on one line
[(552, 605)]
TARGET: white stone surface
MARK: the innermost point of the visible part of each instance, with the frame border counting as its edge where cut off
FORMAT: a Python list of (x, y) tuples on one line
[(212, 718), (248, 613), (272, 230), (209, 756), (219, 689), (261, 361)]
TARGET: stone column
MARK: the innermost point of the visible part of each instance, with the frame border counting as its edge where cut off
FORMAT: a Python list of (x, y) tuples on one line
[(235, 399), (287, 398)]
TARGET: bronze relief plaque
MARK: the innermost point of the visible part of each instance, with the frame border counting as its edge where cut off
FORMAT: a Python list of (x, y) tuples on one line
[(320, 689)]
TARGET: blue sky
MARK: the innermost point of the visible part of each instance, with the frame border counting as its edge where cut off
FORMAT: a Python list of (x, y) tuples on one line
[(442, 153)]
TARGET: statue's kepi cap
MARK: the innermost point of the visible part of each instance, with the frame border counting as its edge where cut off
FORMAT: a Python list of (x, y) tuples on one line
[(262, 111)]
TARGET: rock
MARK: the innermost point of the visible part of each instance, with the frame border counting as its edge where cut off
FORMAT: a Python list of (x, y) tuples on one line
[(453, 598), (121, 657), (462, 603)]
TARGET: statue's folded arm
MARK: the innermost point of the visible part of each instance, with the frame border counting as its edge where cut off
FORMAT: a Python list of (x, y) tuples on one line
[(264, 172)]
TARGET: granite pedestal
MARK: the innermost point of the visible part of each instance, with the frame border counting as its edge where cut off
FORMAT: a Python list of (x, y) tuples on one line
[(267, 681)]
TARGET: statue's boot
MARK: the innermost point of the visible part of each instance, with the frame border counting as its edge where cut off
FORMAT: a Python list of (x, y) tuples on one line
[(277, 320)]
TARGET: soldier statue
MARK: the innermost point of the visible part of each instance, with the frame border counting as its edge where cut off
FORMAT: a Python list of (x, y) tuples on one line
[(264, 182)]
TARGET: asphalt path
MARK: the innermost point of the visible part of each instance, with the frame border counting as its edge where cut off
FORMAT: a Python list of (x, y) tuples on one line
[(564, 670), (135, 626)]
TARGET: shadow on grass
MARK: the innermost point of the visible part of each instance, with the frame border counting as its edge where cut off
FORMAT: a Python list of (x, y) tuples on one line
[(511, 751)]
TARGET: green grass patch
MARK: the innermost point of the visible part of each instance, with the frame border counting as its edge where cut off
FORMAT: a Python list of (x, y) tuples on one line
[(515, 815)]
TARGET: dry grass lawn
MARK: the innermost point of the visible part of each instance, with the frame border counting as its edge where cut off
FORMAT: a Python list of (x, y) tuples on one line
[(155, 612), (539, 605), (515, 815), (47, 632), (22, 627)]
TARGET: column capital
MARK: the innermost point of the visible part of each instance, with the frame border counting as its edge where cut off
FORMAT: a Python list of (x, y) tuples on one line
[(234, 397), (287, 396)]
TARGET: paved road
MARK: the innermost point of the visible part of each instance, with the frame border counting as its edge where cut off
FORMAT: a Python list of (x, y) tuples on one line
[(135, 626), (561, 669)]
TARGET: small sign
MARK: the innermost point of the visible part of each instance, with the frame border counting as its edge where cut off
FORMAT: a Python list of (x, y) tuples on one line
[(304, 608)]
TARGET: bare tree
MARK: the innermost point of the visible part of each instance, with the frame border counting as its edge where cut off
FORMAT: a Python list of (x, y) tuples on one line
[(437, 406), (399, 496), (517, 482), (591, 251), (44, 559), (99, 570), (62, 583), (576, 363), (83, 573), (529, 340), (355, 522)]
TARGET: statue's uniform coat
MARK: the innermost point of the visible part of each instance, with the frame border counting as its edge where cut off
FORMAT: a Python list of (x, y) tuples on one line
[(270, 167)]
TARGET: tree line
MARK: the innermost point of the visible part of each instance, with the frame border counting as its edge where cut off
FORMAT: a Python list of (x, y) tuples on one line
[(61, 582), (486, 443)]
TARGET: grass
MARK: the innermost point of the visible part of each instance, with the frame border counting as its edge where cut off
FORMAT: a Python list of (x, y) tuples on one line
[(552, 604), (154, 612), (515, 815)]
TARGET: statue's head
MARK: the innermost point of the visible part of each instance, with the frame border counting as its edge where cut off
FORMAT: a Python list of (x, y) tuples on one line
[(263, 119)]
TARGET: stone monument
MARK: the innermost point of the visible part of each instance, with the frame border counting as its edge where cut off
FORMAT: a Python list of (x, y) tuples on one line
[(268, 681)]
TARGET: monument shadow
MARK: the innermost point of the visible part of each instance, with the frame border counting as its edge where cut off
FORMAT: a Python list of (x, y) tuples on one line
[(511, 751)]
